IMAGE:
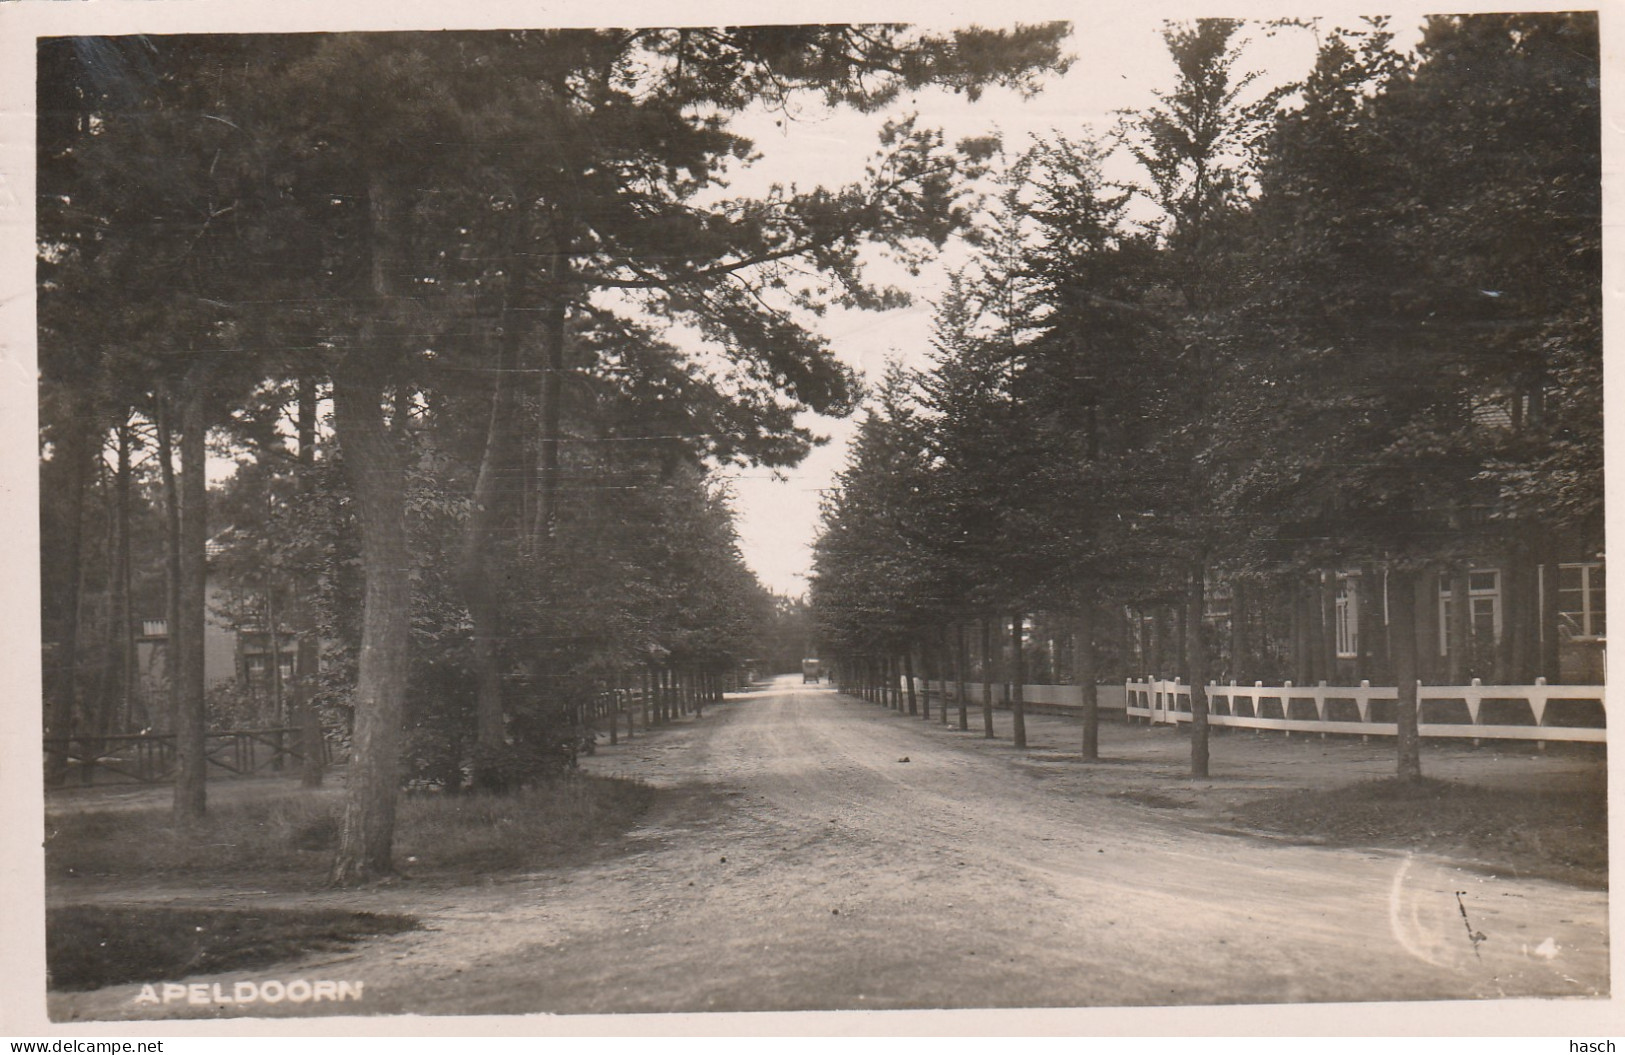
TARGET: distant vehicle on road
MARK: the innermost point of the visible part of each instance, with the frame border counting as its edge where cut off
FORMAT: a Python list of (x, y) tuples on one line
[(810, 671)]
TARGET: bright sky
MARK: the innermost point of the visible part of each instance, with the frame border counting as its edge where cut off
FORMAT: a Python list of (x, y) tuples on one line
[(1120, 60)]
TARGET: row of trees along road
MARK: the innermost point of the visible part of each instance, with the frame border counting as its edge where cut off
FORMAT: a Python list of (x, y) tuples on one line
[(1350, 324), (471, 244)]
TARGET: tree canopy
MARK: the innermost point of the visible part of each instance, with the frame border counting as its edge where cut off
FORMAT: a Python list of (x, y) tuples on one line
[(1343, 329), (479, 247)]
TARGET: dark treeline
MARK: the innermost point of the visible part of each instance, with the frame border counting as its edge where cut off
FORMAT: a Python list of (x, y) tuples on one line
[(790, 638), (419, 286), (1341, 389)]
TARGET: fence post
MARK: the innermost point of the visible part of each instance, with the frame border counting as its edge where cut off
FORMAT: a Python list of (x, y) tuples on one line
[(1475, 707), (1540, 715), (628, 701), (1286, 706)]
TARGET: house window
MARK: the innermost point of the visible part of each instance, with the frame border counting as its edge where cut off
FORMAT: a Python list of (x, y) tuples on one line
[(257, 667), (1348, 618), (1582, 600), (1484, 600)]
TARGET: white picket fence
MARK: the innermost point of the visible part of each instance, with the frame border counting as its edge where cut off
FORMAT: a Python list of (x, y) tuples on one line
[(1245, 707)]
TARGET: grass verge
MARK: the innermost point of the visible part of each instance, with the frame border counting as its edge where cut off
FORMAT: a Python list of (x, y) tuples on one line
[(286, 838), (1558, 835), (88, 946)]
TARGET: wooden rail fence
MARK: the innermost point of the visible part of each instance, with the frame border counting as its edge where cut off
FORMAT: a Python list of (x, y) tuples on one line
[(149, 758)]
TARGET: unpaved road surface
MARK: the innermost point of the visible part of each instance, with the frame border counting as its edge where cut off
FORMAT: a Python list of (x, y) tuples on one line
[(812, 851)]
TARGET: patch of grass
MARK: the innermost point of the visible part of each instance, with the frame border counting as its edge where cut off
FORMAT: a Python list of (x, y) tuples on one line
[(1557, 833), (87, 947), (287, 838), (529, 829), (268, 837)]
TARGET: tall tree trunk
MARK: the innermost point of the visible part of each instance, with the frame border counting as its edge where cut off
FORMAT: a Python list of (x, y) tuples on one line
[(1301, 667), (1550, 663), (554, 331), (172, 566), (313, 744), (1461, 625), (1372, 641), (1141, 637), (1018, 674), (479, 586), (1196, 668), (1316, 642), (1138, 633), (1083, 651), (623, 686), (190, 719), (1403, 586), (934, 658), (1181, 641), (273, 640), (78, 451), (1514, 603), (1239, 665), (990, 675), (1156, 647), (945, 666), (99, 716), (1328, 626), (961, 662), (1528, 658), (377, 473), (129, 702)]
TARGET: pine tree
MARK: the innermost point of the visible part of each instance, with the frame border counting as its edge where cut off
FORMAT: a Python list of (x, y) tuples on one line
[(1197, 147)]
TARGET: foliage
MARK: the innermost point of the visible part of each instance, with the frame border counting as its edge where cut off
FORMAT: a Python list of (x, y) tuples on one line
[(1361, 327)]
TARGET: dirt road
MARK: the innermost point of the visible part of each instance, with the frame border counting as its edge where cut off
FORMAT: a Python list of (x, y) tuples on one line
[(811, 851)]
